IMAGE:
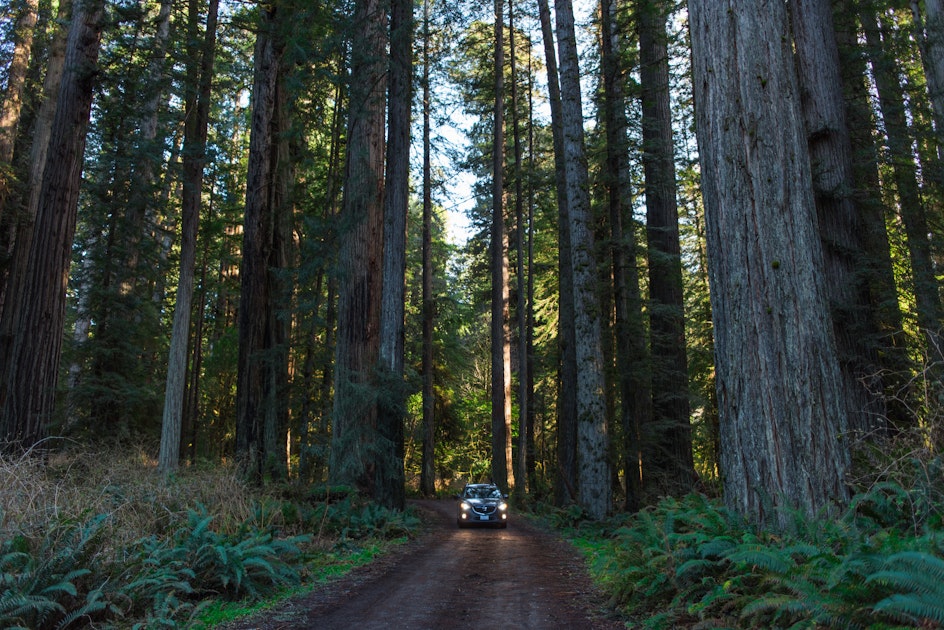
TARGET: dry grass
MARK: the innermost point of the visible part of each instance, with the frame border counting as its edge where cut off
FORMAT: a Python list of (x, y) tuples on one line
[(76, 484)]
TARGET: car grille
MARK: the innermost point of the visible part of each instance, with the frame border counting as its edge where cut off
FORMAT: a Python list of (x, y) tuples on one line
[(484, 509)]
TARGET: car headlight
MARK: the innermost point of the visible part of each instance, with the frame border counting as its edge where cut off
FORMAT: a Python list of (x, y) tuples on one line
[(466, 506), (502, 506)]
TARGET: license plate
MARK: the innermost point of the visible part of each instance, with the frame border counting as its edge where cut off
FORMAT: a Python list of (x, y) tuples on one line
[(483, 517)]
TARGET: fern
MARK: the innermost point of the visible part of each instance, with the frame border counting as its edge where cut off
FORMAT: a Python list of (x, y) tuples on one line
[(253, 563), (41, 587), (917, 579), (913, 608)]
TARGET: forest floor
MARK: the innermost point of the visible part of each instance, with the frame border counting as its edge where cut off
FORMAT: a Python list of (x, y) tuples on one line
[(519, 577)]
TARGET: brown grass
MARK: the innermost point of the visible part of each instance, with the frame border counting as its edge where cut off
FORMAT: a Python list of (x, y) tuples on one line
[(77, 484)]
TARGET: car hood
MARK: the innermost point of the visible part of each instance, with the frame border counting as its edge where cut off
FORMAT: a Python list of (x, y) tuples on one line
[(482, 501)]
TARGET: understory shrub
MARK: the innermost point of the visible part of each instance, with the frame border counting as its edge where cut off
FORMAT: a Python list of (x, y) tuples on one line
[(690, 562), (102, 540)]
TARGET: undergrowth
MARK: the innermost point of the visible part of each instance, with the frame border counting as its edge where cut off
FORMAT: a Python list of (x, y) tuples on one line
[(689, 562), (100, 539)]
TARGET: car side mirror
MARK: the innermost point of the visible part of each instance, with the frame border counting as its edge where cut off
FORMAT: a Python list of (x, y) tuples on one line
[(458, 497), (504, 495)]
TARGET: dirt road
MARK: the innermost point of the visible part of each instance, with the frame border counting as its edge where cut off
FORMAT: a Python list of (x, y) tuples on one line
[(519, 577)]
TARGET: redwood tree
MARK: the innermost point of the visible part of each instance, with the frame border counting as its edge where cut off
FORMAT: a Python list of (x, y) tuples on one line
[(593, 471), (29, 359), (354, 445), (262, 371), (779, 389)]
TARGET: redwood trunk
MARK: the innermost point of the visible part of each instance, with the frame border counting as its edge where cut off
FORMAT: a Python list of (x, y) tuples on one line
[(779, 389), (29, 363)]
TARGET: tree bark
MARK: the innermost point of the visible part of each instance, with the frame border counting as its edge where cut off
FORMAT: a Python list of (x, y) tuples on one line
[(502, 473), (593, 470), (17, 231), (932, 53), (261, 410), (779, 388), (12, 102), (354, 440), (194, 158), (566, 486), (841, 229), (29, 364), (428, 470), (672, 459), (521, 311), (392, 408)]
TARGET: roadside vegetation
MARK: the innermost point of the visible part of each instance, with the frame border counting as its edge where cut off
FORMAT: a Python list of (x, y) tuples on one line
[(689, 562), (98, 537)]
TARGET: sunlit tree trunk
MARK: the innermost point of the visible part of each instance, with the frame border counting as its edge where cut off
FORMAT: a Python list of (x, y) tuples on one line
[(779, 388), (911, 209), (29, 362), (593, 470), (501, 344), (521, 229), (200, 62)]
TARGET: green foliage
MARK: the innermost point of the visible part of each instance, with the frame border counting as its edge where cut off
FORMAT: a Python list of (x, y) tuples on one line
[(354, 519), (41, 586), (918, 581), (690, 561), (249, 562), (129, 548)]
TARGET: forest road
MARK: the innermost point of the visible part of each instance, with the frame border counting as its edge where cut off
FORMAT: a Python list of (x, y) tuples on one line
[(451, 578)]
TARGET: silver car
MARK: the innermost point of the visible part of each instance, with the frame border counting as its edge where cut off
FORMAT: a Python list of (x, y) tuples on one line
[(482, 504)]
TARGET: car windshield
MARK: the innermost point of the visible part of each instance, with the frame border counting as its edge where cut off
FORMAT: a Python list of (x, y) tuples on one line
[(482, 492)]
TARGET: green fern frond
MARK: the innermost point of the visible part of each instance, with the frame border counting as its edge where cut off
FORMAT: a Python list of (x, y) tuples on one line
[(766, 558), (913, 571), (913, 607)]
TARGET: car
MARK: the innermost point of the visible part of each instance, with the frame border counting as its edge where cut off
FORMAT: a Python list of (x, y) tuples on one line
[(482, 504)]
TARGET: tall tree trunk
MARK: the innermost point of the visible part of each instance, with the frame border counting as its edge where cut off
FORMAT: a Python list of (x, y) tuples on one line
[(521, 461), (877, 267), (354, 439), (12, 102), (428, 470), (671, 408), (911, 208), (17, 232), (261, 413), (501, 348), (932, 53), (593, 470), (392, 408), (566, 488), (779, 388), (29, 362), (840, 226), (200, 63)]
